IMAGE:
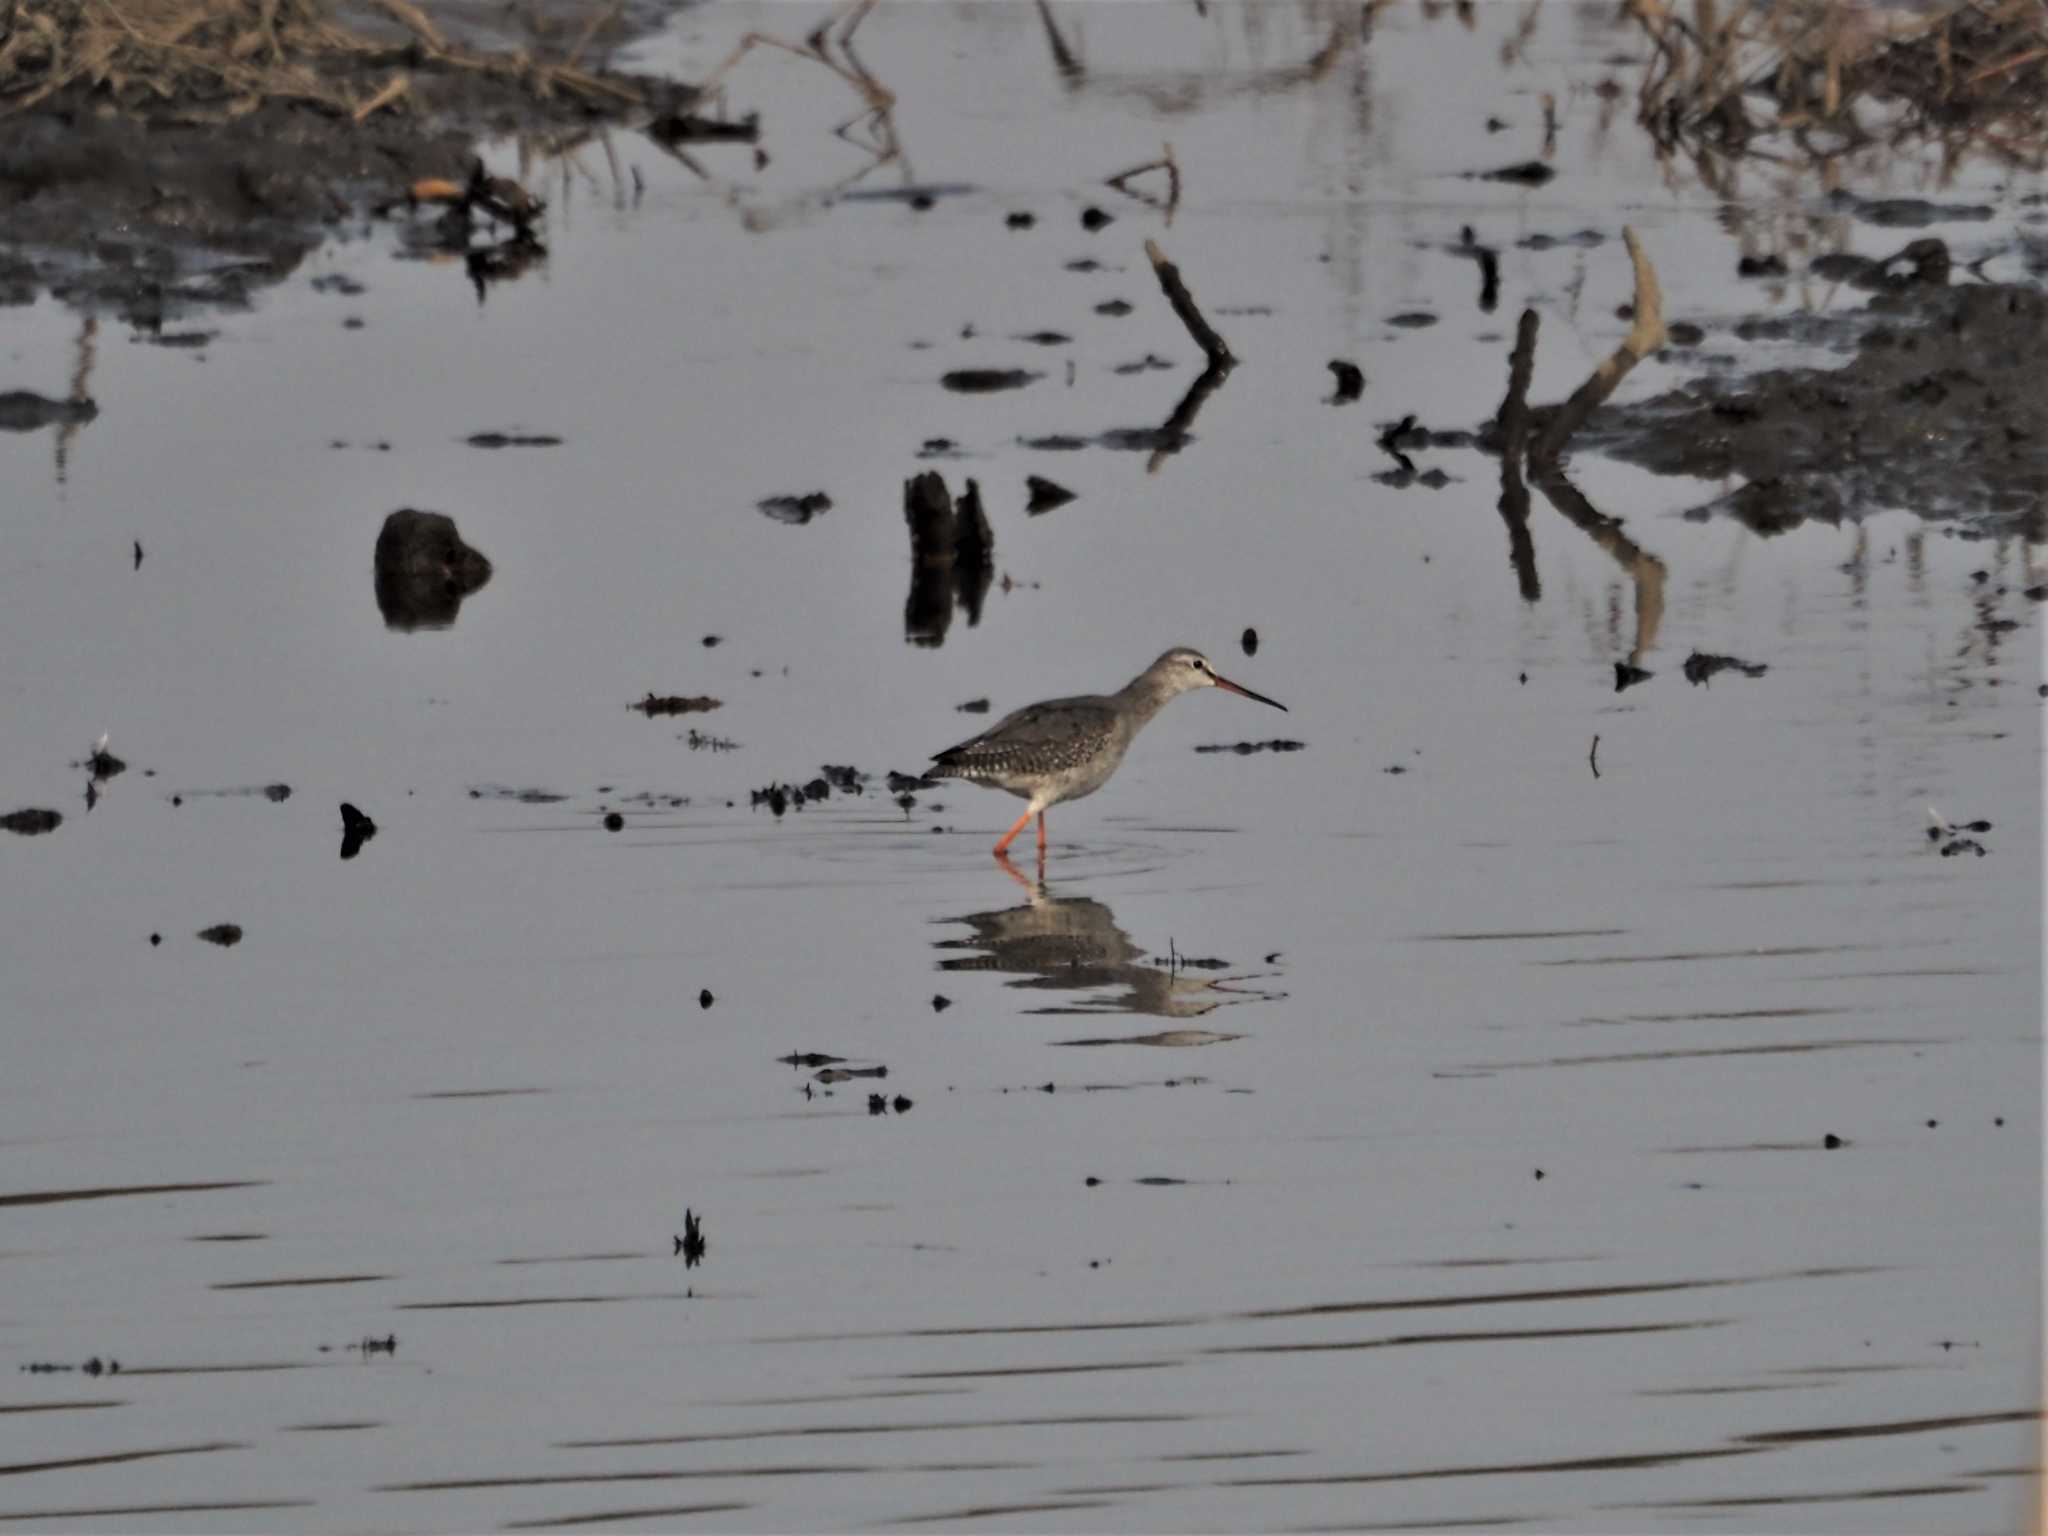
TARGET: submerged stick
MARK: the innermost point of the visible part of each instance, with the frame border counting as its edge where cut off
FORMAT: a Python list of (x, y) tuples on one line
[(1513, 427), (1214, 347), (1644, 337)]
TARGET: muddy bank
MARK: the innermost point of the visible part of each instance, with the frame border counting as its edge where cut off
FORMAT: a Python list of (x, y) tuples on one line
[(143, 141), (1938, 412)]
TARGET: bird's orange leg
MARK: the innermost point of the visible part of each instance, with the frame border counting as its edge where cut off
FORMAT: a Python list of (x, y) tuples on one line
[(1041, 834), (1011, 836)]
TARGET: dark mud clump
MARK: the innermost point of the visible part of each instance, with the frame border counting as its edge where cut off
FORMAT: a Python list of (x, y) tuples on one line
[(356, 830), (1702, 666), (164, 154), (691, 1245), (952, 553), (29, 823), (1045, 494), (23, 410), (226, 935), (795, 510), (985, 381), (674, 704), (1246, 748), (1939, 412), (1350, 381), (424, 570), (512, 440)]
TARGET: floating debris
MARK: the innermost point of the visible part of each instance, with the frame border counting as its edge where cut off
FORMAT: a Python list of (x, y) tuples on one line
[(705, 999), (1243, 748), (523, 796), (952, 551), (675, 704), (614, 822), (1350, 381), (1093, 218), (1249, 641), (847, 1074), (973, 707), (1700, 666), (984, 381), (512, 440), (1020, 220), (941, 1002), (1526, 173), (1114, 308), (692, 1245), (356, 830), (1627, 675), (1412, 319), (795, 510), (226, 935), (808, 1059), (673, 128), (1044, 338), (1045, 495), (30, 823), (845, 778)]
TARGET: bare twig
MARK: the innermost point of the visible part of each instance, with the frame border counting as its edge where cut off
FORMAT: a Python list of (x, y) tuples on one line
[(1214, 347), (396, 87), (1513, 426), (1644, 337)]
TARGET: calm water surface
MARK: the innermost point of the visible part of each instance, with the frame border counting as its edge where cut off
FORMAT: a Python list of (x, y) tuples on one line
[(1475, 1168)]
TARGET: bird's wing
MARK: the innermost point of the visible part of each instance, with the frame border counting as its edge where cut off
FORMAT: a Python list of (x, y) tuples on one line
[(1076, 722)]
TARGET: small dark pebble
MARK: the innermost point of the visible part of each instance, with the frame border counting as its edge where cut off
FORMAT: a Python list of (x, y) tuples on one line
[(901, 1104), (1113, 307), (1832, 1141), (1350, 381), (1093, 218), (973, 707), (1091, 1181), (921, 201), (1539, 1173), (1044, 338), (1627, 675), (878, 1103), (712, 640), (1412, 319), (1932, 1124), (1250, 641), (155, 939), (941, 1002), (614, 822), (1045, 494), (817, 789), (705, 999), (223, 934), (1021, 220)]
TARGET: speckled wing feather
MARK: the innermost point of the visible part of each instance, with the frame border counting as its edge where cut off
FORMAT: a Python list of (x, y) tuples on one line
[(1039, 738)]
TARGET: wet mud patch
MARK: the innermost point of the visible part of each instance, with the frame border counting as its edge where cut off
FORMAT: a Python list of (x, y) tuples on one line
[(1938, 412), (163, 156)]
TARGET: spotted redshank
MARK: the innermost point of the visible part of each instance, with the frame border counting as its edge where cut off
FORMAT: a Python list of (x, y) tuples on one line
[(1062, 749)]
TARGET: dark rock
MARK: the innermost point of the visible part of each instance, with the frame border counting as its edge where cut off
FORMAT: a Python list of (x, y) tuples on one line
[(1350, 381), (1021, 220), (424, 570), (1093, 218), (1249, 640), (614, 822)]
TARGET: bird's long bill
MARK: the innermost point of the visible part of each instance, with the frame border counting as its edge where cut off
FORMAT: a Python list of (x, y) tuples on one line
[(1224, 682)]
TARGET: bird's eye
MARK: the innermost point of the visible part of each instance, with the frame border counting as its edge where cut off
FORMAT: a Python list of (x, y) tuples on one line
[(1199, 665)]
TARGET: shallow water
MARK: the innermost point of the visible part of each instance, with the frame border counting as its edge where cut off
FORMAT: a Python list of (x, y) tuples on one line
[(1485, 1181)]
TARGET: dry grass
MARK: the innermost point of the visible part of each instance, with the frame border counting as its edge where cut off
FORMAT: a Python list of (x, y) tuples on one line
[(1730, 71), (221, 59)]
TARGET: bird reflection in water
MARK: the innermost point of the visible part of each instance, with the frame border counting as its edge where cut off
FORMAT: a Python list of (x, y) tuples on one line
[(1072, 944)]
